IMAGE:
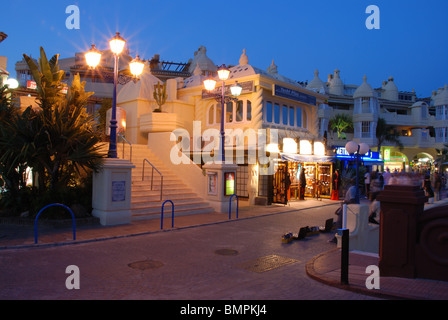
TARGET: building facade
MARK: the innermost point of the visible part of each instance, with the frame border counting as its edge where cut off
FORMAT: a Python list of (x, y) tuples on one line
[(420, 123)]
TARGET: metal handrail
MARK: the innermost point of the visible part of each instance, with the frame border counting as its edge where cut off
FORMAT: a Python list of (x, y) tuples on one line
[(152, 176), (130, 146)]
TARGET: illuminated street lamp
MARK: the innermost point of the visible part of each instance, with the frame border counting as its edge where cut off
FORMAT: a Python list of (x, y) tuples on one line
[(235, 89), (358, 150), (93, 59)]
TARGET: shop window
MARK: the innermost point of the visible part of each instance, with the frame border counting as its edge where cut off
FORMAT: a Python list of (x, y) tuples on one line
[(277, 113), (263, 185), (268, 111), (242, 175), (291, 116)]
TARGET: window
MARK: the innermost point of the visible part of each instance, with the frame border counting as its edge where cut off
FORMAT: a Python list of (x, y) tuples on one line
[(218, 113), (365, 105), (277, 113), (304, 119), (233, 112), (268, 111), (365, 129), (285, 115), (239, 111), (291, 116), (242, 175), (229, 112), (263, 182), (298, 117), (211, 118), (440, 112)]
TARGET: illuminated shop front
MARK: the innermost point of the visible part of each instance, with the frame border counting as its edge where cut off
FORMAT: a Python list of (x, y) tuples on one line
[(371, 158), (318, 169), (395, 161)]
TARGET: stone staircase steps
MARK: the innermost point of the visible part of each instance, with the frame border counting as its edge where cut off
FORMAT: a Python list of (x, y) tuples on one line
[(146, 203)]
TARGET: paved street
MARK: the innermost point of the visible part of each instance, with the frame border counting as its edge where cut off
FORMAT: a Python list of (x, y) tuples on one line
[(211, 262)]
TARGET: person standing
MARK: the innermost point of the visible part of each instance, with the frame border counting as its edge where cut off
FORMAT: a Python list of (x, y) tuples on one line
[(367, 183), (302, 184), (437, 186), (386, 176), (427, 186)]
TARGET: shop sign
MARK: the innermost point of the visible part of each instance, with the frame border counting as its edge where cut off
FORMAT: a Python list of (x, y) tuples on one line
[(118, 191), (369, 156), (31, 85), (229, 183), (386, 154), (248, 87), (212, 183), (287, 93)]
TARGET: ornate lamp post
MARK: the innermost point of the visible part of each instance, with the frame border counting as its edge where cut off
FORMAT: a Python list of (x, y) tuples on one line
[(357, 150), (235, 89), (93, 58)]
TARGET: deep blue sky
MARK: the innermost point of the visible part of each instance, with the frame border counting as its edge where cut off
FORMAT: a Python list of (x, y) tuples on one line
[(411, 46)]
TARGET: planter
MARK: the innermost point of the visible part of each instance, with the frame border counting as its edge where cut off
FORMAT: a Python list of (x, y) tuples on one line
[(159, 122)]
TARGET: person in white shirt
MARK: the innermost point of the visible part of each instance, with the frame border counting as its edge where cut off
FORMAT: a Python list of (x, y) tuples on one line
[(367, 183), (386, 176)]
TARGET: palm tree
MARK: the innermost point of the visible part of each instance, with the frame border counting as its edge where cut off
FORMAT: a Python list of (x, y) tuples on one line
[(387, 133), (341, 122), (59, 140)]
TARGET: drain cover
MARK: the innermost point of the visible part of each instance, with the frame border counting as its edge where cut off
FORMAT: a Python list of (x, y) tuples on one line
[(226, 252), (146, 265), (267, 263)]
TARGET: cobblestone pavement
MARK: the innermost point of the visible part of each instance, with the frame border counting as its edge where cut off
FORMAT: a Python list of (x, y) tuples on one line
[(216, 261)]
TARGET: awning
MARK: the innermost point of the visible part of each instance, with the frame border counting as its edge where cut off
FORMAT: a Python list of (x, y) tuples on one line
[(306, 158)]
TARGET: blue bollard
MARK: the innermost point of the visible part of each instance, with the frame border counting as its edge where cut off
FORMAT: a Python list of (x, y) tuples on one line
[(51, 205)]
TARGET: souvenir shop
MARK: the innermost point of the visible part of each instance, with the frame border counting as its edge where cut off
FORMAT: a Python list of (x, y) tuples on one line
[(302, 175)]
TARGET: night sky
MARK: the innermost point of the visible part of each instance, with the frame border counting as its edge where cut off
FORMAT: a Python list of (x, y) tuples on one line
[(300, 36)]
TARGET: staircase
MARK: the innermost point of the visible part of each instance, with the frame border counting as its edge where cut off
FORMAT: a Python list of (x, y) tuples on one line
[(146, 203)]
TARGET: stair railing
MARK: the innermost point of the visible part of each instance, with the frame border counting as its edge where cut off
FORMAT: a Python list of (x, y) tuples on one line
[(130, 146), (152, 176)]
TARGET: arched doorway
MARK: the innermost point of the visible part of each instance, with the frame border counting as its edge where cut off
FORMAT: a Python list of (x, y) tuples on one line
[(422, 162)]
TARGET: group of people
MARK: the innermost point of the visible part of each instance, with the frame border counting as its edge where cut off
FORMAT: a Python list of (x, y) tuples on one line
[(432, 183)]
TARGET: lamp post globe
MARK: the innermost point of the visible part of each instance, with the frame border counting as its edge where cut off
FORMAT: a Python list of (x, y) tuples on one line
[(223, 73), (363, 148), (210, 84), (93, 57), (236, 89), (136, 67), (117, 44), (351, 147)]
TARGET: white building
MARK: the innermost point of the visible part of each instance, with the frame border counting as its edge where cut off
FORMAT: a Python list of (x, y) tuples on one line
[(421, 123)]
